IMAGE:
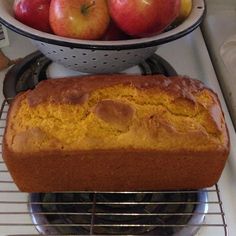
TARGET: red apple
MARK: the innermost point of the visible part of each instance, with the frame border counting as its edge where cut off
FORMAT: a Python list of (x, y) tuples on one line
[(82, 19), (114, 33), (143, 18), (34, 13)]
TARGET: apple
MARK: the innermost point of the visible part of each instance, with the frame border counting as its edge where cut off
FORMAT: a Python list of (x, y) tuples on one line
[(185, 10), (114, 33), (34, 13), (82, 19), (141, 18)]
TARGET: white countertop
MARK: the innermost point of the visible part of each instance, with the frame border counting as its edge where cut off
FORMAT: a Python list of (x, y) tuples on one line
[(219, 30)]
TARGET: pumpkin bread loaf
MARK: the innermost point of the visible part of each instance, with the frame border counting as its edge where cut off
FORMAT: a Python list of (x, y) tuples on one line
[(116, 133)]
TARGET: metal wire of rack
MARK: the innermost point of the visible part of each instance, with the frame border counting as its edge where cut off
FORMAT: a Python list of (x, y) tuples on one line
[(15, 209)]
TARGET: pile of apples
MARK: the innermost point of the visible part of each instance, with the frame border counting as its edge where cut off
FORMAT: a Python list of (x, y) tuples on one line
[(99, 19)]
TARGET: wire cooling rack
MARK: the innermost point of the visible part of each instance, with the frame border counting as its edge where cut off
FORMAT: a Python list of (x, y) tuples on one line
[(97, 214)]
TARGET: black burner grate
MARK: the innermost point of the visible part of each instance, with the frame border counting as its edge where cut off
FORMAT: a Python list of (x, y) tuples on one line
[(150, 213)]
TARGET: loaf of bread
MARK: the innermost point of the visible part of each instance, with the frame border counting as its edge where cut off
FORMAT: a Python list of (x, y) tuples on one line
[(116, 133)]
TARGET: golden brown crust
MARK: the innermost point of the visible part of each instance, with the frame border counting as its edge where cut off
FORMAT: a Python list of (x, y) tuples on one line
[(73, 90), (128, 168)]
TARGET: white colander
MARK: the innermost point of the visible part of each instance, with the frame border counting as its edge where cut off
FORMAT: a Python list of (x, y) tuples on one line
[(93, 56)]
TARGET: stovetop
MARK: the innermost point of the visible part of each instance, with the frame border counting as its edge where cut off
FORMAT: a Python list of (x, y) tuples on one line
[(84, 213), (189, 56)]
